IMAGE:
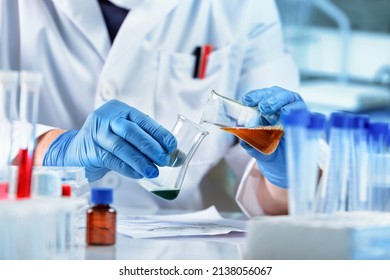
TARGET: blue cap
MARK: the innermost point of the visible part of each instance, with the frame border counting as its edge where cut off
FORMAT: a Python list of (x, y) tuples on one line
[(360, 121), (101, 195), (298, 117), (378, 130), (316, 121), (341, 120)]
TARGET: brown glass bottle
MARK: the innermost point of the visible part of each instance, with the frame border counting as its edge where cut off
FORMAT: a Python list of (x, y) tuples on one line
[(101, 218)]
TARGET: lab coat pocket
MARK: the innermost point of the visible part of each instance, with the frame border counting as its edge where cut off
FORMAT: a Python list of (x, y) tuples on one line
[(177, 86), (179, 92)]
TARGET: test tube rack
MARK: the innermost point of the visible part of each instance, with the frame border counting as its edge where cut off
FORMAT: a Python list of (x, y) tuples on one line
[(338, 236), (39, 228), (43, 226)]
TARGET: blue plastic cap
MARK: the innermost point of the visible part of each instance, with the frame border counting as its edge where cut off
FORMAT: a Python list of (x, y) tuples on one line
[(101, 195), (316, 121), (360, 121), (341, 120), (378, 129), (298, 117)]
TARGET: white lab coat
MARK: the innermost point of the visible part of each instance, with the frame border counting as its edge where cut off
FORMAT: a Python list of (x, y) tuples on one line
[(149, 66)]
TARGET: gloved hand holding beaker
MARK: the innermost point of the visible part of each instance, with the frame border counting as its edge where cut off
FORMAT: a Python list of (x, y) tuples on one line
[(272, 103), (114, 137)]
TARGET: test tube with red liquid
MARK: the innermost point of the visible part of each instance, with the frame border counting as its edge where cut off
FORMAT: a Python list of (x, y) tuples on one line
[(30, 86)]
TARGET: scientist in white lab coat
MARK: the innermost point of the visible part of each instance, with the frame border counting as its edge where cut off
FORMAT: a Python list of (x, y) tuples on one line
[(120, 71)]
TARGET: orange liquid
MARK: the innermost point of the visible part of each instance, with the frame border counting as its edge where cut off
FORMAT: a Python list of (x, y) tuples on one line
[(265, 138)]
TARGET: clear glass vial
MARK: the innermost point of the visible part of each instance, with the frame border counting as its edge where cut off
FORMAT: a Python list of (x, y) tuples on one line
[(101, 218)]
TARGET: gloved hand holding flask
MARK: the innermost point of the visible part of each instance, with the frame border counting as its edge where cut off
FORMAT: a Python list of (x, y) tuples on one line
[(114, 137), (272, 103)]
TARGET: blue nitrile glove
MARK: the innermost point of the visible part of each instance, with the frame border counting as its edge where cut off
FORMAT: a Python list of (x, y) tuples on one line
[(272, 103), (114, 137)]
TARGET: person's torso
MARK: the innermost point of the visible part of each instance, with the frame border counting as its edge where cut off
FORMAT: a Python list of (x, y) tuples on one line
[(149, 66)]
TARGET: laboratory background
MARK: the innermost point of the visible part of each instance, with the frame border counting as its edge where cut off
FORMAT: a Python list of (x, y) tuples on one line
[(342, 50)]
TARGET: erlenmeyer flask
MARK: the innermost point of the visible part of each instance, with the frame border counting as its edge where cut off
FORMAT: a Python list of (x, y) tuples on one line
[(245, 122), (168, 183)]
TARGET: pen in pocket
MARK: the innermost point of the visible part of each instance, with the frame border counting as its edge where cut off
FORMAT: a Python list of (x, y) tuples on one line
[(201, 59), (197, 53)]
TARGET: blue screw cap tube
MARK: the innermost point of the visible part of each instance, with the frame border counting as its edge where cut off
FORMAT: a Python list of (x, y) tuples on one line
[(377, 137), (315, 132), (388, 141), (333, 190), (357, 188), (378, 191), (295, 125)]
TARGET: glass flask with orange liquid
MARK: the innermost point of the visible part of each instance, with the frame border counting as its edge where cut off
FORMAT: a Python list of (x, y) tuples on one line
[(244, 122)]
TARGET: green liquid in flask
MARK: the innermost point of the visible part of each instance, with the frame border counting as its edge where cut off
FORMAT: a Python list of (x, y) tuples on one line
[(167, 194)]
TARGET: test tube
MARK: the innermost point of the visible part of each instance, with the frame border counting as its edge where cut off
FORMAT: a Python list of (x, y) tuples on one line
[(357, 188), (315, 132), (8, 114), (30, 86), (333, 191), (378, 134), (388, 141), (296, 140), (379, 192)]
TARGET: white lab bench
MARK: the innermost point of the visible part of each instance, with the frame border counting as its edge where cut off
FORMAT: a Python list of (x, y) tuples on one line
[(226, 247)]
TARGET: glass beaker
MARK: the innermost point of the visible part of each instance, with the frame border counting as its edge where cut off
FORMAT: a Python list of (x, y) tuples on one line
[(245, 122), (30, 87), (167, 185)]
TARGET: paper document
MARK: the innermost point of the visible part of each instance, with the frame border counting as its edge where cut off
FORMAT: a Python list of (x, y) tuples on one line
[(205, 222)]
